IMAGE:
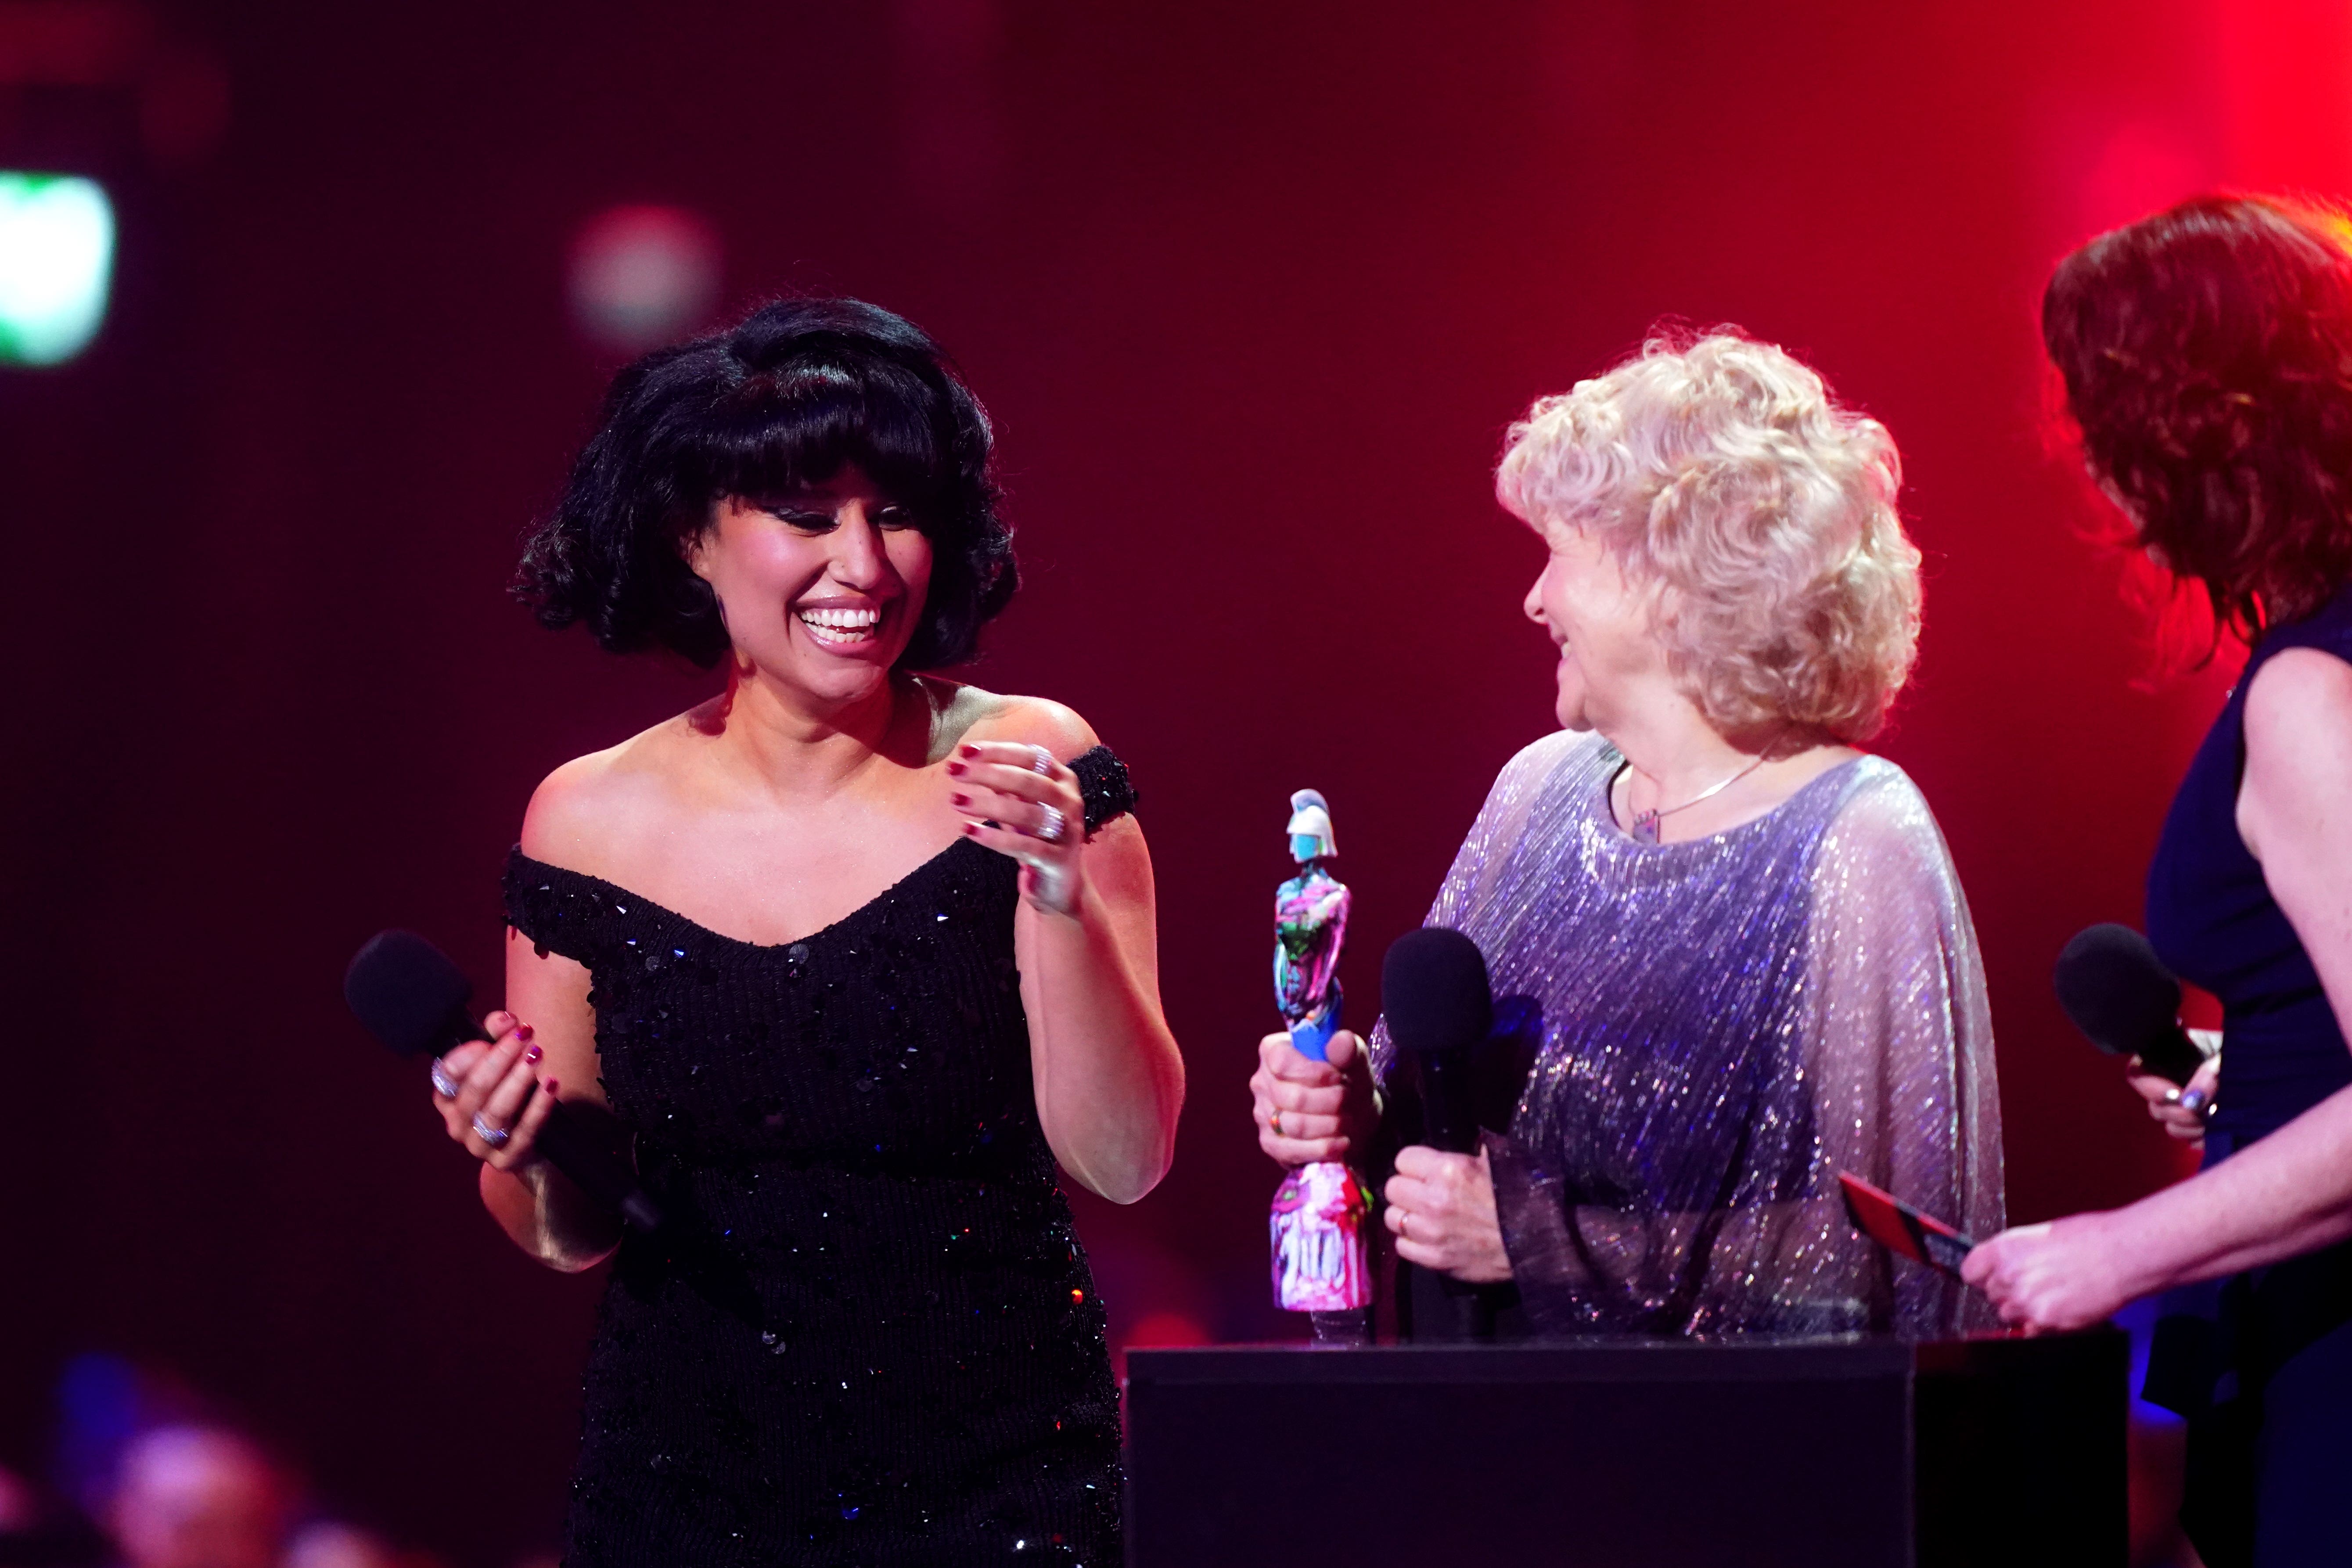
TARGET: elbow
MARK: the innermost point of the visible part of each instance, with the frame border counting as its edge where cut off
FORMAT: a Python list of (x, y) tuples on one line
[(1134, 1187)]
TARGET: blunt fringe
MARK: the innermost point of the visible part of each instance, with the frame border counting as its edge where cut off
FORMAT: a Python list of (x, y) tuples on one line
[(797, 391), (2207, 358)]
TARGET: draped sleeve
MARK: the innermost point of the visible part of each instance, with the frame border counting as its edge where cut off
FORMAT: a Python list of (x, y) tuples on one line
[(1899, 1047), (1725, 1024)]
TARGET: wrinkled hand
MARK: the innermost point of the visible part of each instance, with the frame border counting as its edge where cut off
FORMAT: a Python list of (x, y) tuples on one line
[(494, 1079), (1307, 1110), (2059, 1275), (1004, 799), (1441, 1208), (2181, 1109)]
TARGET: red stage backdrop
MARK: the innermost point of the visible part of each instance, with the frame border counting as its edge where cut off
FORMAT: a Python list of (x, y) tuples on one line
[(1251, 292)]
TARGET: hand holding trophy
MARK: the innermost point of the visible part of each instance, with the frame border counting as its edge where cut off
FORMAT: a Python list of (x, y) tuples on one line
[(1321, 1261)]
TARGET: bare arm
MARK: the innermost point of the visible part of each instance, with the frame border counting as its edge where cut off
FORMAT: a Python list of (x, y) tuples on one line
[(534, 1203), (543, 1049), (2292, 1192), (1110, 1081), (1109, 1078)]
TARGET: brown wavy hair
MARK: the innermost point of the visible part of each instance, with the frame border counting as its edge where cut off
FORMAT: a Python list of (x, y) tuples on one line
[(2206, 357)]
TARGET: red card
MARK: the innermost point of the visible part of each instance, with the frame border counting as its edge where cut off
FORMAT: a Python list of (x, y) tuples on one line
[(1902, 1229)]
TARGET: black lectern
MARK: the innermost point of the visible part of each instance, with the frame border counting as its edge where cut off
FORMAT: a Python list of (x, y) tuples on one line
[(1813, 1454)]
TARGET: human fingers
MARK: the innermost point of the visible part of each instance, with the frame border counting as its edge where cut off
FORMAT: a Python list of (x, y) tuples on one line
[(481, 1080), (492, 1124), (1294, 1151), (1305, 1100), (1279, 1058), (1435, 1166), (1296, 1120), (521, 1147), (1014, 772), (1342, 1051), (1055, 821), (1404, 1192), (1027, 848)]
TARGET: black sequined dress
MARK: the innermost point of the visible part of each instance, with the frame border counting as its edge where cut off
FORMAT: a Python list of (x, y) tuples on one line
[(882, 1345)]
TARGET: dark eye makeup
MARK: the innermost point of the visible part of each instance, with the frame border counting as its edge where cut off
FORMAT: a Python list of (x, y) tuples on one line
[(813, 522)]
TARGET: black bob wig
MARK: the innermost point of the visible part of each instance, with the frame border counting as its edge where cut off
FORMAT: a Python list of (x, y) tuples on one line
[(799, 390)]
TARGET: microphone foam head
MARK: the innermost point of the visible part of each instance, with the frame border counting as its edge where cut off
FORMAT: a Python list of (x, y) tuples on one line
[(2116, 989), (1435, 992), (406, 991)]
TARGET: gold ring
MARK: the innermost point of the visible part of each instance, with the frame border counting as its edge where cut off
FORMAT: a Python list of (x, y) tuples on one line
[(1273, 1120), (1404, 1218)]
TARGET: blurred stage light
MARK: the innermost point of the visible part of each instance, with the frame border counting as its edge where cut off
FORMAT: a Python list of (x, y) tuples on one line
[(643, 276), (57, 261)]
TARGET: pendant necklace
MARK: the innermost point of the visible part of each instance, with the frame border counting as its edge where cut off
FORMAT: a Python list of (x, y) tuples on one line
[(1645, 823)]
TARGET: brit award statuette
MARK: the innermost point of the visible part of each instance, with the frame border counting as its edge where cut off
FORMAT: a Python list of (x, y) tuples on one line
[(1321, 1262)]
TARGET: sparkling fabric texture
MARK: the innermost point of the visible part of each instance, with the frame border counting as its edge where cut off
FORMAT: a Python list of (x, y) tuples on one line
[(1721, 1025), (881, 1344)]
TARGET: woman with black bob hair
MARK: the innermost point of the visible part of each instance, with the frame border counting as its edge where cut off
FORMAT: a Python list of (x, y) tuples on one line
[(2207, 356), (855, 954)]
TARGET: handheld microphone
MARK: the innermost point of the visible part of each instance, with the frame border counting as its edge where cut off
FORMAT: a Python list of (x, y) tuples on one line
[(2119, 993), (1435, 997), (414, 999)]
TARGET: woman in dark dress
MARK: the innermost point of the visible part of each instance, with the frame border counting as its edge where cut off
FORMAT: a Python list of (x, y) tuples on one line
[(853, 955), (2206, 354)]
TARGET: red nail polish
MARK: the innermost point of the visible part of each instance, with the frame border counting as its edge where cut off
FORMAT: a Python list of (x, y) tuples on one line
[(550, 1089), (955, 769), (971, 829), (531, 1054), (971, 750), (522, 1031), (961, 799)]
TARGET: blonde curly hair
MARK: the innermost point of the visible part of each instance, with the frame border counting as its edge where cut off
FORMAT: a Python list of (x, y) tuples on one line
[(1756, 514)]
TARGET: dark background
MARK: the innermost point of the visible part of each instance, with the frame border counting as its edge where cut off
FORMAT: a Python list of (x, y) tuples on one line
[(1251, 289)]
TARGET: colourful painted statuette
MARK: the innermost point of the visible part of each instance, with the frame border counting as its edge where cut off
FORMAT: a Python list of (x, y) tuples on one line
[(1321, 1260)]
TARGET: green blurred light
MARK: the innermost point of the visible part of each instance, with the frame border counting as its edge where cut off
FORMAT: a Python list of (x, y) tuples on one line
[(57, 260)]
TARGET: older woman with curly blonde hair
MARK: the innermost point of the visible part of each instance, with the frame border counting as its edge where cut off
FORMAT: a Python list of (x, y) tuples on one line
[(1743, 958)]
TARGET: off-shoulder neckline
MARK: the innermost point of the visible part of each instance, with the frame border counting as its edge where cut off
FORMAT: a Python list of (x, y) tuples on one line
[(885, 896), (1613, 759)]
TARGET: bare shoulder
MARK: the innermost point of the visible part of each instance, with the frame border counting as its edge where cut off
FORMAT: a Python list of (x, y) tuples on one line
[(2302, 697), (972, 714), (579, 812)]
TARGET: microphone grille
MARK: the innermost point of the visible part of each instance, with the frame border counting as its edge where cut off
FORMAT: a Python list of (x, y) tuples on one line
[(406, 991), (1435, 992), (2116, 989)]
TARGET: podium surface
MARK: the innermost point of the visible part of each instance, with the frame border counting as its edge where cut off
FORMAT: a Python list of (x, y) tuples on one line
[(1847, 1453)]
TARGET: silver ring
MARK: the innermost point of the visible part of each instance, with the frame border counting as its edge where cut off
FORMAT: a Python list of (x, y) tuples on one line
[(496, 1137), (1044, 763), (1051, 830), (444, 1084)]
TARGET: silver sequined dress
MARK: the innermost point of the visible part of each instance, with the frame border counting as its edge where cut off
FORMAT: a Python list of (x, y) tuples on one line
[(1724, 1024)]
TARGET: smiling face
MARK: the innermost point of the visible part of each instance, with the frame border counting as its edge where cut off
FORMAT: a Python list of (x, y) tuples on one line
[(1601, 627), (822, 587)]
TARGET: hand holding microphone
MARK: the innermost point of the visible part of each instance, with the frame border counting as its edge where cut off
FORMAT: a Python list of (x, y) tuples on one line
[(489, 1095), (413, 999), (1439, 1006), (2119, 993)]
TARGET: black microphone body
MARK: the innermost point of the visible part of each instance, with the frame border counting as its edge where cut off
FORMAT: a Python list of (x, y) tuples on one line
[(413, 998), (1439, 1007), (2119, 993)]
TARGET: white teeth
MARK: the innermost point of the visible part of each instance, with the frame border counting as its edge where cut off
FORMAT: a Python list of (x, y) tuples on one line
[(829, 624)]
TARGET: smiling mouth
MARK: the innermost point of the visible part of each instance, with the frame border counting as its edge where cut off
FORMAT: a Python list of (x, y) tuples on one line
[(834, 628)]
